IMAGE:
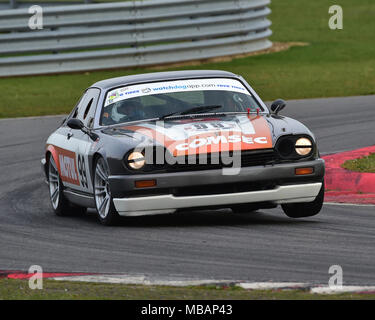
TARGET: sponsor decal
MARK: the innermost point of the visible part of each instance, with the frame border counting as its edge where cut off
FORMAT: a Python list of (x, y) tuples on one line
[(146, 90), (128, 92), (113, 96), (67, 166), (243, 133), (220, 140)]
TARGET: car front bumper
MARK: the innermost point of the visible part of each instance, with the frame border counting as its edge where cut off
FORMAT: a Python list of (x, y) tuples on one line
[(286, 187)]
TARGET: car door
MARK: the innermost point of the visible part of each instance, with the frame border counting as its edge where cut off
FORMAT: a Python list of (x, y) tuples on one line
[(81, 143), (71, 147)]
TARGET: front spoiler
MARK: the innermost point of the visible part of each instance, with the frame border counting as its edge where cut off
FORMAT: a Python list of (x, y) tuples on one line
[(151, 205), (282, 174)]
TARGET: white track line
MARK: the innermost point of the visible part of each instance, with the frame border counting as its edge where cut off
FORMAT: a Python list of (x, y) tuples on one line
[(272, 285), (143, 280), (343, 289)]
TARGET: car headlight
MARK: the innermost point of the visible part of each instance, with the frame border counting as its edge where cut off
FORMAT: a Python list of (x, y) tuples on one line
[(136, 160), (303, 146)]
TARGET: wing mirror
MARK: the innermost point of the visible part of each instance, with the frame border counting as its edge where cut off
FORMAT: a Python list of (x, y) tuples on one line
[(277, 106), (77, 124)]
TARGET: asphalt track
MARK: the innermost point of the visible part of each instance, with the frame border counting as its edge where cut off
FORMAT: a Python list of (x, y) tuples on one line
[(262, 246)]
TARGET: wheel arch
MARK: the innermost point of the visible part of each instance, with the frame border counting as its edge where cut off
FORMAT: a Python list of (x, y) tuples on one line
[(95, 157), (51, 151)]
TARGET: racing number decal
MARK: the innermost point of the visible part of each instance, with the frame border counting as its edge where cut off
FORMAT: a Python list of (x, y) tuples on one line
[(200, 126), (208, 126), (82, 171)]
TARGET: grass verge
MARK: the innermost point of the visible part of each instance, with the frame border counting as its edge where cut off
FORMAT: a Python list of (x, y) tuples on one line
[(365, 164), (56, 290)]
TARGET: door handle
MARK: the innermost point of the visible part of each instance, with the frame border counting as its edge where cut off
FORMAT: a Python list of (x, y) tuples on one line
[(69, 135)]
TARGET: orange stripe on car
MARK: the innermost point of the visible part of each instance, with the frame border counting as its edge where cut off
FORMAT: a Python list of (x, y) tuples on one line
[(213, 141)]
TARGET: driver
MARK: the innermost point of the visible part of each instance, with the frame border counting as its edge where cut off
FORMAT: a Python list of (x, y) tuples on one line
[(127, 111)]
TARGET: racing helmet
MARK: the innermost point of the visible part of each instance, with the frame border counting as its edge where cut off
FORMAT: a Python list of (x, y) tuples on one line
[(128, 109)]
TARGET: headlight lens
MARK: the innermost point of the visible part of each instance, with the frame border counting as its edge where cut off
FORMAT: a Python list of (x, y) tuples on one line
[(303, 146), (286, 147), (136, 160)]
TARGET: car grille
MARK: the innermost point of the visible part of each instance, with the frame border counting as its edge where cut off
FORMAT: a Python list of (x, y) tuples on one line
[(215, 161)]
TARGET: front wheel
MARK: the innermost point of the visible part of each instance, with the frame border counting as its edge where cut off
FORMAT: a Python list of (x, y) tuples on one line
[(305, 209), (105, 208)]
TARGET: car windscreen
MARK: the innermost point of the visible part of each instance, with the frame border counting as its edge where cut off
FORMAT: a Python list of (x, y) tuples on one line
[(158, 99)]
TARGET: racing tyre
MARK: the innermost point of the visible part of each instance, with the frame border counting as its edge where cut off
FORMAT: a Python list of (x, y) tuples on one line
[(60, 204), (105, 208), (306, 209)]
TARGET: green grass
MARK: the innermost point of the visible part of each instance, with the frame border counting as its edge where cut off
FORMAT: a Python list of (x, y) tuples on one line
[(55, 290), (365, 164), (336, 63)]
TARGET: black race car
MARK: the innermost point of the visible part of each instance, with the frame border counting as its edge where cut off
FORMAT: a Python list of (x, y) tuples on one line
[(160, 142)]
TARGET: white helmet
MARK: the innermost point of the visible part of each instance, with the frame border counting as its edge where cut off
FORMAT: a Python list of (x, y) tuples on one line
[(116, 115)]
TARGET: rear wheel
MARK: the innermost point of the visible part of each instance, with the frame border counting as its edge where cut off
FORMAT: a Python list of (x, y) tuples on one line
[(60, 204), (107, 213), (306, 209)]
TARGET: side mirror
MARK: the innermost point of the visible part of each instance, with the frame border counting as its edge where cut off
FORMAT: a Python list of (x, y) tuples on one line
[(75, 124), (277, 106)]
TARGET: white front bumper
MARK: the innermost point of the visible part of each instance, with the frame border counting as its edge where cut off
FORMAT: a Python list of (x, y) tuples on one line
[(150, 205)]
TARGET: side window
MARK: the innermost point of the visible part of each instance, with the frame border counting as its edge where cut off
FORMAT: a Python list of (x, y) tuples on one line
[(88, 109), (87, 106), (74, 112)]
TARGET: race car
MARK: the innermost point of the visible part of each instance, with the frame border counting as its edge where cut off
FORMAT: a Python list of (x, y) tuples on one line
[(163, 142)]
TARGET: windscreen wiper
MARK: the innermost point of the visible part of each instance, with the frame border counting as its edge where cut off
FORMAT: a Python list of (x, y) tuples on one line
[(169, 115), (191, 111)]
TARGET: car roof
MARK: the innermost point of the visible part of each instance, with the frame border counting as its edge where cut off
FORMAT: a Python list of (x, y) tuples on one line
[(161, 76)]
